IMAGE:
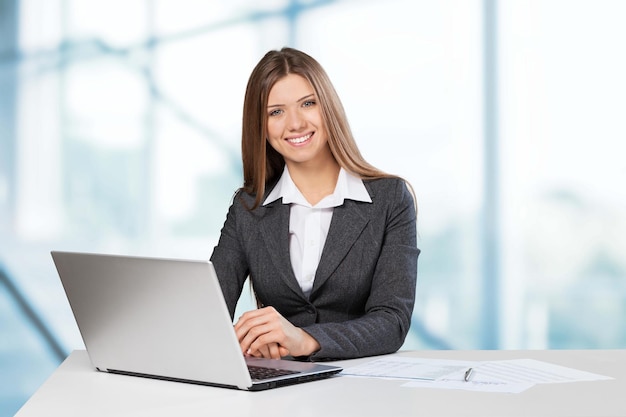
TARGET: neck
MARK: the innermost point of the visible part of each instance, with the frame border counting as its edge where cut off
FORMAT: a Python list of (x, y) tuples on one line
[(315, 182)]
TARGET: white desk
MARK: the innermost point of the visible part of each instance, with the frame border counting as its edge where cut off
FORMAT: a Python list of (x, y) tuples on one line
[(75, 389)]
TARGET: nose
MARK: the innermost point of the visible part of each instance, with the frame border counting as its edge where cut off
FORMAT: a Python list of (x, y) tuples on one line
[(295, 120)]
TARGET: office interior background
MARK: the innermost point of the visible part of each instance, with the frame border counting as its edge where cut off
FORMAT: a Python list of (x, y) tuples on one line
[(120, 133)]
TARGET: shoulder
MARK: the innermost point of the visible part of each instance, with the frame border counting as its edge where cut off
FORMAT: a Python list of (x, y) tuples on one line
[(247, 199), (243, 198), (388, 187), (243, 204), (392, 195)]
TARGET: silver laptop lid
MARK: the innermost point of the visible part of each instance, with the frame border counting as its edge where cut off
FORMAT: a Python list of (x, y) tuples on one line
[(158, 317)]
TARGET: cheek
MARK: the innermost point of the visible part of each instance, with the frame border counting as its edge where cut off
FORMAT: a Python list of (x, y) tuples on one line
[(273, 143), (274, 129), (273, 140), (319, 120)]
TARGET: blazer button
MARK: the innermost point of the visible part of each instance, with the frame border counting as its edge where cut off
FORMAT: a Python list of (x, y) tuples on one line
[(310, 309)]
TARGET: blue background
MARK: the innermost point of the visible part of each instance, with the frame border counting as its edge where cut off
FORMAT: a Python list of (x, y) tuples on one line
[(120, 133)]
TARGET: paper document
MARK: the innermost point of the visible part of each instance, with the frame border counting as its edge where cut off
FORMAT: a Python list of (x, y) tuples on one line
[(408, 368), (534, 371), (512, 376)]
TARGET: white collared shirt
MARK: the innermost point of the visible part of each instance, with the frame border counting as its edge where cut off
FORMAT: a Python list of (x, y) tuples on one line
[(308, 225)]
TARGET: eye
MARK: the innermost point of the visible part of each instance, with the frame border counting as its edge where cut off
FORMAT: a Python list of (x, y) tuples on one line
[(276, 112), (309, 103)]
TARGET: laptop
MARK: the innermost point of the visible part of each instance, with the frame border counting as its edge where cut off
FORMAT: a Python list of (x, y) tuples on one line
[(166, 319)]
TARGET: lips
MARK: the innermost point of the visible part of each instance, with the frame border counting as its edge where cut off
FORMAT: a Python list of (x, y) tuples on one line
[(299, 140)]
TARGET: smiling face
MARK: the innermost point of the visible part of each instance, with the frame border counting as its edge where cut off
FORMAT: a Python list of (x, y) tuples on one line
[(295, 126)]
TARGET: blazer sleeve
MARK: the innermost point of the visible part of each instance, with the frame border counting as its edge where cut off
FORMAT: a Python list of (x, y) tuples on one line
[(389, 307), (229, 257)]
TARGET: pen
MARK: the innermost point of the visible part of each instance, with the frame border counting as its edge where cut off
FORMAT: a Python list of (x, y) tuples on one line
[(468, 374)]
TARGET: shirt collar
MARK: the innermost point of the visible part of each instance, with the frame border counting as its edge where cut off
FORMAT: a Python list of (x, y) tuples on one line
[(349, 187)]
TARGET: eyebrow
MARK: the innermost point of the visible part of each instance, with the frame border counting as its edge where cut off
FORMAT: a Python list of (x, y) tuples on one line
[(297, 101)]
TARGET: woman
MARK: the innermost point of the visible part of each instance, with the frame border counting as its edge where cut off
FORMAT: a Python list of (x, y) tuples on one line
[(328, 240)]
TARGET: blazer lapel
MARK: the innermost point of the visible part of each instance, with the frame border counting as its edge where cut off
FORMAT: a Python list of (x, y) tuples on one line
[(346, 226), (275, 231)]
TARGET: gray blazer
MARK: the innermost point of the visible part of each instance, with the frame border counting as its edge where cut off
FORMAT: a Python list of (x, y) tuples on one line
[(364, 289)]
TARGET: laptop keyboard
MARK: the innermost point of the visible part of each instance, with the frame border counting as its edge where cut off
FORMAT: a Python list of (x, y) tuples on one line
[(258, 373)]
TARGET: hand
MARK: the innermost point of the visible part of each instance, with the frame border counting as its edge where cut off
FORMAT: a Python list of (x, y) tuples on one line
[(266, 333), (271, 350)]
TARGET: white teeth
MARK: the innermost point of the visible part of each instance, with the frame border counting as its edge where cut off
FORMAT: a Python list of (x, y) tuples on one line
[(299, 140)]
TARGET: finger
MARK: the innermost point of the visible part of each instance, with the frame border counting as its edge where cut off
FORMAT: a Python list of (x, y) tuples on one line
[(258, 312), (262, 352), (258, 336), (254, 318), (260, 327), (272, 339), (248, 332), (274, 351), (271, 350)]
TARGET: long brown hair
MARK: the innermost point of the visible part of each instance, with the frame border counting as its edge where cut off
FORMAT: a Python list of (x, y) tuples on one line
[(262, 165)]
